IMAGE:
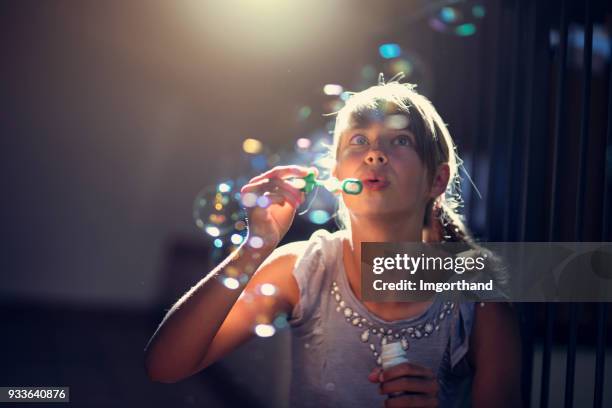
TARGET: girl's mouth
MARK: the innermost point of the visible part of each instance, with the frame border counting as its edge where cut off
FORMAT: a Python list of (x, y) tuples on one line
[(375, 184)]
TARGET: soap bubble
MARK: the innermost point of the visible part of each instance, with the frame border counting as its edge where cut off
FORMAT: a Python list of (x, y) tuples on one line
[(218, 213)]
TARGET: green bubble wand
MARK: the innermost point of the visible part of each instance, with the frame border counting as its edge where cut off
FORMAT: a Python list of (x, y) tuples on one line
[(333, 185)]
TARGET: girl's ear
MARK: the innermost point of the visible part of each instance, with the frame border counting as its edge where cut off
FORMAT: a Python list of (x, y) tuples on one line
[(440, 180)]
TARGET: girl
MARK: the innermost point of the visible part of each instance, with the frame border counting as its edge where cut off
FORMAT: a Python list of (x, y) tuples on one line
[(394, 141)]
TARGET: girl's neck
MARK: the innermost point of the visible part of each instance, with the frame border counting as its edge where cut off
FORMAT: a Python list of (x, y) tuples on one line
[(391, 229), (408, 229), (377, 231)]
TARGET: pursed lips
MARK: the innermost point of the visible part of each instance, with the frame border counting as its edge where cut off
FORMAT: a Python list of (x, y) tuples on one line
[(373, 181)]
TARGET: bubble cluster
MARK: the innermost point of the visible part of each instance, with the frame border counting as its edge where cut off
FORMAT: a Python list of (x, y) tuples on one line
[(460, 19), (218, 214)]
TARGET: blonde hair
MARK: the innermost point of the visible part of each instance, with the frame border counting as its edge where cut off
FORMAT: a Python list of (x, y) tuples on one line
[(434, 145)]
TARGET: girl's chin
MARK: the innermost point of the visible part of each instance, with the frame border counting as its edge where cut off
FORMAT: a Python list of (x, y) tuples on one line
[(374, 210)]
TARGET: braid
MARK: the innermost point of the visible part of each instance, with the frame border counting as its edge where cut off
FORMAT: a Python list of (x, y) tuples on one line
[(446, 222)]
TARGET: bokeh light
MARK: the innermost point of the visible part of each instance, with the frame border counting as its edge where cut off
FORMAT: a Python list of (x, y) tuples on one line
[(332, 89), (303, 143), (212, 230), (345, 96), (304, 112), (263, 202), (465, 29), (460, 18), (236, 239), (265, 330), (259, 162), (267, 289), (249, 199), (256, 242), (401, 65), (318, 217), (280, 322), (390, 50), (231, 283), (252, 146)]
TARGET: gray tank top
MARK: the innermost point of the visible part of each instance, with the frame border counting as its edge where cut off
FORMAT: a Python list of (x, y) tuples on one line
[(336, 341)]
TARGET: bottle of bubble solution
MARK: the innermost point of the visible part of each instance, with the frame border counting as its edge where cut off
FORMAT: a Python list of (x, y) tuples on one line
[(393, 354)]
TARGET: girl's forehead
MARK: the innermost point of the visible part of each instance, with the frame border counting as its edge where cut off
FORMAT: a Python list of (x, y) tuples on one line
[(392, 121)]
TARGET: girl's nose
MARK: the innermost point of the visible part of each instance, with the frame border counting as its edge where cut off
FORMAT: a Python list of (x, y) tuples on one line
[(376, 157)]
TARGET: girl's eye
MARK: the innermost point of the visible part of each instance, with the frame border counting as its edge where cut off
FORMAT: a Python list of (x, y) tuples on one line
[(358, 140), (403, 140)]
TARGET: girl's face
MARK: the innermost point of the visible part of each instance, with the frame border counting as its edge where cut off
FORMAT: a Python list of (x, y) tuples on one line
[(394, 178)]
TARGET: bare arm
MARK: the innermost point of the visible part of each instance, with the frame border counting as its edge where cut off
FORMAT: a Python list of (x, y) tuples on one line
[(210, 319), (495, 353)]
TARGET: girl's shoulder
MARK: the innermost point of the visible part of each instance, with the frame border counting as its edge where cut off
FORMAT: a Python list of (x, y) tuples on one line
[(313, 267), (290, 266), (292, 252)]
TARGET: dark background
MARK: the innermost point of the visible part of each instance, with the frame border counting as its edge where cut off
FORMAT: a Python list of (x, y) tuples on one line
[(113, 115)]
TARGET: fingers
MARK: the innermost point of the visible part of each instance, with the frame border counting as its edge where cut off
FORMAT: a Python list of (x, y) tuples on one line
[(412, 400), (418, 382), (410, 384), (276, 190), (285, 171), (406, 369), (374, 375)]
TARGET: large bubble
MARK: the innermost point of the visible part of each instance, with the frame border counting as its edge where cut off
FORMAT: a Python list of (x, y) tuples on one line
[(218, 214)]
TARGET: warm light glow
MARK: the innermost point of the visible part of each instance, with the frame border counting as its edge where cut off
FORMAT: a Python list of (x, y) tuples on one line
[(252, 146)]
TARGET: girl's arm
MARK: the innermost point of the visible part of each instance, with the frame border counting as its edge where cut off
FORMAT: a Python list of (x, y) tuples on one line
[(495, 353), (210, 320)]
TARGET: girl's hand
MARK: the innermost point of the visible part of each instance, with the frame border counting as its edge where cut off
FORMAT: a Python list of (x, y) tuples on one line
[(417, 381), (272, 222)]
